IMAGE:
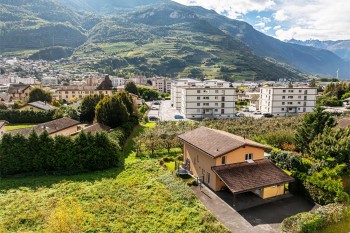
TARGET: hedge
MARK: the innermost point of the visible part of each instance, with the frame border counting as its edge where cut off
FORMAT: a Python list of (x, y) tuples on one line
[(308, 222), (42, 153), (21, 117)]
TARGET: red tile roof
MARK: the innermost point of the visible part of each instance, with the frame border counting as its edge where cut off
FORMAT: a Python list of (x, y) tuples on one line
[(216, 142), (244, 177)]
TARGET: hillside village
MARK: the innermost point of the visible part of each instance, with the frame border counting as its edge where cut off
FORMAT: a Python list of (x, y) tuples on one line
[(236, 144), (174, 116)]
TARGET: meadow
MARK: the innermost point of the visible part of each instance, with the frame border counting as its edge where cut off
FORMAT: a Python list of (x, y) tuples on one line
[(140, 196)]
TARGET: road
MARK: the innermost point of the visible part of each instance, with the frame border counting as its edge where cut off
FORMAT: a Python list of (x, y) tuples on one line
[(164, 111)]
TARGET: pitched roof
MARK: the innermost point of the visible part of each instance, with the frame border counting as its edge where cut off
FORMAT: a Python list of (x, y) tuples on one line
[(41, 105), (16, 88), (216, 142), (3, 123), (244, 177), (51, 127), (94, 129)]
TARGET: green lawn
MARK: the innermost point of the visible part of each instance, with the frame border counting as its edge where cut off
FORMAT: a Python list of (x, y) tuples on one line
[(142, 196), (19, 126)]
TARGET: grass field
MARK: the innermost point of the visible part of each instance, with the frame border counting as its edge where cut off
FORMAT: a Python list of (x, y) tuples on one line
[(142, 196), (19, 126)]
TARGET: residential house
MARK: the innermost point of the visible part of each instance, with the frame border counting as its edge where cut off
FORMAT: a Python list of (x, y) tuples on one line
[(95, 128), (223, 160), (63, 126), (19, 91), (283, 101), (37, 106)]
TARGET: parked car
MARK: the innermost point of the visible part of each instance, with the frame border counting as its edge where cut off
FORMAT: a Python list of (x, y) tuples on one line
[(156, 103), (153, 118), (267, 115), (240, 114), (179, 117), (154, 108), (257, 113), (245, 109)]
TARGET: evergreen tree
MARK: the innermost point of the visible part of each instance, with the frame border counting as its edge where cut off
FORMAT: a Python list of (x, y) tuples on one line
[(38, 94), (313, 125), (127, 101), (131, 88), (88, 107), (111, 111)]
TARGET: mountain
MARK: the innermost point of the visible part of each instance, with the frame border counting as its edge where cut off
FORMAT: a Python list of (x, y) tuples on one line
[(157, 37), (339, 47), (307, 59), (35, 24)]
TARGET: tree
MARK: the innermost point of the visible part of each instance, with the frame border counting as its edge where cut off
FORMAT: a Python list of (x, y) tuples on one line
[(38, 94), (313, 83), (127, 101), (3, 106), (131, 88), (313, 125), (88, 107), (111, 111)]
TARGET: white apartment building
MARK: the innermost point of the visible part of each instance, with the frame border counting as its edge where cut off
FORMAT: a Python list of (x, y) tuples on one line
[(117, 82), (163, 85), (283, 101), (176, 90), (208, 102)]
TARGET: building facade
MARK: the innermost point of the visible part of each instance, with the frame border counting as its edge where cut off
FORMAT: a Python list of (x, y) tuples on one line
[(283, 101), (163, 85), (223, 160)]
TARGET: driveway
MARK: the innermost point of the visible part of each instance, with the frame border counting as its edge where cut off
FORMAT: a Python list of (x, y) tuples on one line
[(264, 218)]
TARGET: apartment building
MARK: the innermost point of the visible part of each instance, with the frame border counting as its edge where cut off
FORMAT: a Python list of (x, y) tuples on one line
[(161, 84), (207, 99), (283, 101), (176, 90), (117, 82)]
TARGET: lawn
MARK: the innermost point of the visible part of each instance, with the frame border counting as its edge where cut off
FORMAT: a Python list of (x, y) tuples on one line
[(19, 126), (142, 196)]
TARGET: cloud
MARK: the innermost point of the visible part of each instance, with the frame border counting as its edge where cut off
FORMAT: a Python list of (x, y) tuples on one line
[(232, 8), (316, 19), (280, 15), (298, 19)]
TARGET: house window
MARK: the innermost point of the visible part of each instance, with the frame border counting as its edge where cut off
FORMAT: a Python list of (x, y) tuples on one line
[(282, 109), (284, 91), (290, 102), (198, 91), (300, 91), (216, 110), (249, 157), (206, 97), (304, 109), (198, 98), (283, 103), (290, 97), (198, 104), (216, 97), (216, 104), (223, 160), (283, 97), (216, 91), (208, 175)]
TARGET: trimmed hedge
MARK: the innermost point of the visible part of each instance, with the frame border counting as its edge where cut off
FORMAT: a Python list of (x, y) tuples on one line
[(21, 117), (42, 153), (308, 222)]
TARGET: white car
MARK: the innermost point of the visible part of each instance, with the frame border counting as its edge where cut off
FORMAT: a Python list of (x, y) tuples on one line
[(240, 114), (257, 113)]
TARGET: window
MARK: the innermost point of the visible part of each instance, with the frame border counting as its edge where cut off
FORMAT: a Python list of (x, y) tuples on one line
[(208, 174), (290, 97), (290, 102), (300, 91), (283, 97), (249, 157), (198, 91), (223, 160), (299, 102), (198, 98), (207, 110), (282, 109), (290, 91), (216, 97), (304, 109), (299, 97), (206, 97), (198, 104), (216, 110), (216, 91), (198, 110), (216, 104), (283, 103), (284, 91), (205, 104)]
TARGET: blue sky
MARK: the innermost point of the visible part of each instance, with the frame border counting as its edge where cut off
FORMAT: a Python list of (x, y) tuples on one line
[(285, 20)]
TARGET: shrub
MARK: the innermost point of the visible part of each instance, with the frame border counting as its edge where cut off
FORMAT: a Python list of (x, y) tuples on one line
[(312, 221), (168, 159), (21, 117)]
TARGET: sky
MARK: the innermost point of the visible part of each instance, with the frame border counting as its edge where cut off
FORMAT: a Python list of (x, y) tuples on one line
[(286, 20)]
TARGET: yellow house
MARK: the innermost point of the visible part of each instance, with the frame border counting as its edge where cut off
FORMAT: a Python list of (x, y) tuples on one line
[(223, 160), (37, 106)]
